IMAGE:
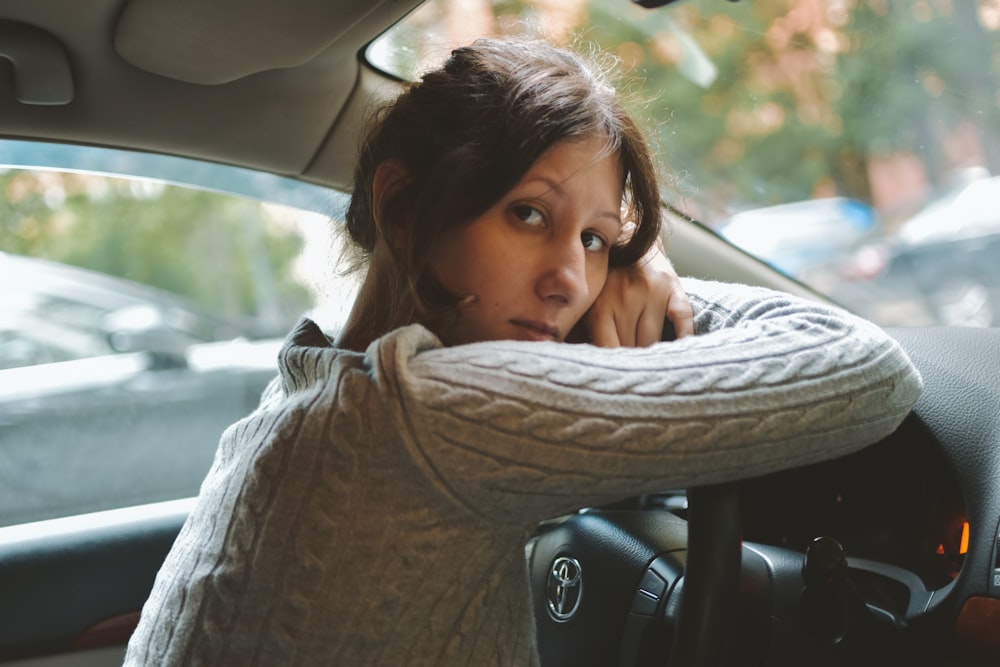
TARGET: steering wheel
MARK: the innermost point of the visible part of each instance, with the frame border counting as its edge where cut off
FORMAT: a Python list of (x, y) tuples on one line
[(626, 586), (711, 577)]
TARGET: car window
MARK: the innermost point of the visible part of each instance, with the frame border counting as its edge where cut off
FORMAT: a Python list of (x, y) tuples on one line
[(139, 317), (853, 145)]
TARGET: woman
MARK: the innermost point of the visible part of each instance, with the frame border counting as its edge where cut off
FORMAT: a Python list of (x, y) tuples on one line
[(374, 509)]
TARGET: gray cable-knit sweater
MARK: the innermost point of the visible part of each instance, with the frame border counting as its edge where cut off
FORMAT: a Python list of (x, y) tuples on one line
[(374, 509)]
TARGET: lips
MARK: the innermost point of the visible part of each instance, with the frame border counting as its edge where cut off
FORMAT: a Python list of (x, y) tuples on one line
[(536, 331)]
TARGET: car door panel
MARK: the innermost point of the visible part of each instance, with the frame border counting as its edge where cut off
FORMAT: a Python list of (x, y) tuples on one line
[(75, 583)]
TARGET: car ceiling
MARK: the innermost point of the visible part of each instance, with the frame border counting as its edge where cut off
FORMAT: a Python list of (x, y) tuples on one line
[(264, 84), (275, 85)]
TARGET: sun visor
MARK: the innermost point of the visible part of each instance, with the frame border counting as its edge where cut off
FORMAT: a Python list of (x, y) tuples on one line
[(218, 41)]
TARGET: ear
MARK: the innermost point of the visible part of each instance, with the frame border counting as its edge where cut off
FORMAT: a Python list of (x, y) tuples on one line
[(390, 177)]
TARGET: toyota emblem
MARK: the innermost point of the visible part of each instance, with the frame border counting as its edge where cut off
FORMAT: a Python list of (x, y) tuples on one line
[(564, 588)]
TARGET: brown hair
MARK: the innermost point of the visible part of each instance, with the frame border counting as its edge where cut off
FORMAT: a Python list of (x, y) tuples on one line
[(466, 133)]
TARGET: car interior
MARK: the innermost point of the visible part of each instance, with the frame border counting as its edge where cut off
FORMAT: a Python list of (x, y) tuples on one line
[(889, 556)]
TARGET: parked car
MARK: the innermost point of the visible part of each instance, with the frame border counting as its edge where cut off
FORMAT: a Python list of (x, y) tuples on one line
[(54, 312), (752, 104), (801, 237), (805, 239), (82, 356), (945, 258)]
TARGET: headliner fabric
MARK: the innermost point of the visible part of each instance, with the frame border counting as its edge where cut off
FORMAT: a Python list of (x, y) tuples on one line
[(218, 41)]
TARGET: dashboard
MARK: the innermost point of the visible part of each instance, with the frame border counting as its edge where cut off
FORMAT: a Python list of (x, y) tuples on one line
[(897, 502), (912, 576)]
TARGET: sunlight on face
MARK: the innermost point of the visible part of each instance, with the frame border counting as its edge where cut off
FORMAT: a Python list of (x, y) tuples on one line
[(531, 266)]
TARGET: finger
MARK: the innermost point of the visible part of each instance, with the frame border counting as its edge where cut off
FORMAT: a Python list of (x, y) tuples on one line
[(603, 331), (681, 314), (649, 329)]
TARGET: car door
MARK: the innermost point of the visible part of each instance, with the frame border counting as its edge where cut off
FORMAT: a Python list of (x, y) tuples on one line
[(116, 430), (135, 326)]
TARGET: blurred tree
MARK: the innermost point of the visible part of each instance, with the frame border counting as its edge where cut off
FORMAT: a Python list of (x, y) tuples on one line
[(779, 120), (762, 97), (222, 252)]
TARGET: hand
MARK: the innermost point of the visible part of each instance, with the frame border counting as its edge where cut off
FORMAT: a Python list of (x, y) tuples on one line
[(636, 300)]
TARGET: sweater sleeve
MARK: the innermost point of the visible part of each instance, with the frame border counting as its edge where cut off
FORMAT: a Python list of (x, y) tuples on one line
[(517, 431)]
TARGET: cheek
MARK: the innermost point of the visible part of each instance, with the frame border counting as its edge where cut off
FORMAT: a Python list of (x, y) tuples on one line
[(448, 265), (466, 264), (597, 276)]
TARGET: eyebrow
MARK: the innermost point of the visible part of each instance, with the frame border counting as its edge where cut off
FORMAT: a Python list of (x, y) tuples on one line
[(557, 188)]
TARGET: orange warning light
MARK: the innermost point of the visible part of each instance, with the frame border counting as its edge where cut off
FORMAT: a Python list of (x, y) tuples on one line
[(963, 546)]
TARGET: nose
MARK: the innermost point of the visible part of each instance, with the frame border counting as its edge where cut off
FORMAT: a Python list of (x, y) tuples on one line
[(563, 275)]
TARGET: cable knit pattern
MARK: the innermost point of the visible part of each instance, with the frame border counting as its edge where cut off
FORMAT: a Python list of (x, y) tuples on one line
[(373, 509)]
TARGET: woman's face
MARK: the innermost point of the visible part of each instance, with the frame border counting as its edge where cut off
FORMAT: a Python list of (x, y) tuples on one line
[(533, 264)]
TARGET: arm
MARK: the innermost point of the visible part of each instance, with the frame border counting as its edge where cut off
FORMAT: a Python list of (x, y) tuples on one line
[(772, 382)]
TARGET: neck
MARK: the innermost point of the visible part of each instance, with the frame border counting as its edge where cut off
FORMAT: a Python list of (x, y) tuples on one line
[(378, 309)]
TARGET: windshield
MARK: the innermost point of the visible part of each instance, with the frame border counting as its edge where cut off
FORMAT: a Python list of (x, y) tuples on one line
[(851, 144)]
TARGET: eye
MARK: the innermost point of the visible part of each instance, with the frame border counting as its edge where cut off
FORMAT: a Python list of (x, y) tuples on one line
[(529, 215), (593, 242)]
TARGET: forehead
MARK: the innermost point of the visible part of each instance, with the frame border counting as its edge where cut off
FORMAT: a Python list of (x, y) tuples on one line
[(570, 157)]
